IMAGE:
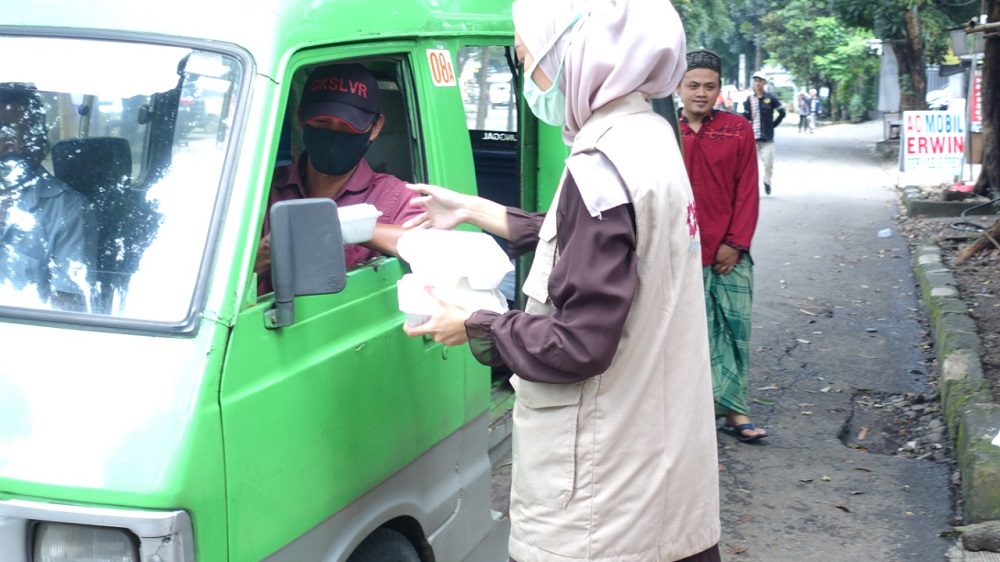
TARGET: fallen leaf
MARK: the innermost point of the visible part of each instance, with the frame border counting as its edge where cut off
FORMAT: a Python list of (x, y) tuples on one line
[(862, 434), (825, 389), (807, 413), (765, 401), (863, 356), (843, 507), (737, 550), (801, 340), (806, 480), (746, 518), (825, 478), (722, 467), (862, 469), (855, 492), (805, 405), (771, 387)]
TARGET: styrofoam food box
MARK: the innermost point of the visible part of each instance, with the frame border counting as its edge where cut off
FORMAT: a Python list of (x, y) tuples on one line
[(419, 305), (357, 222), (444, 257)]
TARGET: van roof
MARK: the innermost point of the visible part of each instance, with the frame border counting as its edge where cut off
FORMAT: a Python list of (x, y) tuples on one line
[(269, 29)]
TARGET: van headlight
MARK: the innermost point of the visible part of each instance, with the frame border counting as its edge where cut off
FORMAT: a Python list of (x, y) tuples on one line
[(62, 542)]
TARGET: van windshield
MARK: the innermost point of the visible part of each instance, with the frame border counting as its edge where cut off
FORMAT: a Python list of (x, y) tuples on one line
[(111, 155)]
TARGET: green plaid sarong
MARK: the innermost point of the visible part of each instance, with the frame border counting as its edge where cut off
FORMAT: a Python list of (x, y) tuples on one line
[(728, 299)]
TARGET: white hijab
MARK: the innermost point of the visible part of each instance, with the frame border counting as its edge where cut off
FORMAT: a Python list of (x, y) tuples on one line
[(616, 48)]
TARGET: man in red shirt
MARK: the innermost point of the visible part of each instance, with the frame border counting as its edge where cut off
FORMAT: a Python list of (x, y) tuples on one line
[(721, 160), (340, 117)]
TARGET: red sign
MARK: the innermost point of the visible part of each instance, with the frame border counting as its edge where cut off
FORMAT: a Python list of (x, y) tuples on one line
[(976, 101)]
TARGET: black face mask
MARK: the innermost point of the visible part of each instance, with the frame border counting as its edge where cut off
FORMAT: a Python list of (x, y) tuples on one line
[(332, 152)]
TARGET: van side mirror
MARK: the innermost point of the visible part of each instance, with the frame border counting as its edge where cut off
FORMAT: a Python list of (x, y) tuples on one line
[(307, 255)]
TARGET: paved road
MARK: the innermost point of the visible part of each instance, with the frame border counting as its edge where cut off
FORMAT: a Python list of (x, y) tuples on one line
[(835, 323)]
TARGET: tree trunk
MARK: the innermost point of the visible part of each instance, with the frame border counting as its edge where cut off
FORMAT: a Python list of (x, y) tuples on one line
[(988, 182), (911, 62)]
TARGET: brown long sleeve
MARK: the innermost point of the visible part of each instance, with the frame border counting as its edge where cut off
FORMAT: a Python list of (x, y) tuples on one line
[(592, 286)]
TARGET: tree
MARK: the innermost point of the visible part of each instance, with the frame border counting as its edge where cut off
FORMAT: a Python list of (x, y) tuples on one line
[(850, 67), (795, 35), (708, 25), (915, 30), (988, 183)]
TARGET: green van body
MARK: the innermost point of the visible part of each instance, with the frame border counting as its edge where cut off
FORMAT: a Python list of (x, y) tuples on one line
[(188, 423)]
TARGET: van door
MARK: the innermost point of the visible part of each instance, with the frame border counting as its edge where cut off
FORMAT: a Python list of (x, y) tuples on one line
[(317, 414)]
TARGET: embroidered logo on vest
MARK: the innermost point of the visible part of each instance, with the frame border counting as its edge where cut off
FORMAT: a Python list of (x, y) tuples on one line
[(692, 220)]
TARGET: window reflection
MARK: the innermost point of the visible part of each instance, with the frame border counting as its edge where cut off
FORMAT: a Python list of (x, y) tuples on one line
[(488, 90), (110, 163)]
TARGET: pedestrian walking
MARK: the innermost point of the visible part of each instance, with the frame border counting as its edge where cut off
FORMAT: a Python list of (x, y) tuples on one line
[(760, 108), (803, 108), (815, 107)]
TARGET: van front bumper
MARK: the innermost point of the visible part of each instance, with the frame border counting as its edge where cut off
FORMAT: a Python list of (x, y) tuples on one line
[(164, 536)]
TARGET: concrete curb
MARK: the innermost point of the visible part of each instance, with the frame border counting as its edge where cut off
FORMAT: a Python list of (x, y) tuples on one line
[(924, 208), (970, 414)]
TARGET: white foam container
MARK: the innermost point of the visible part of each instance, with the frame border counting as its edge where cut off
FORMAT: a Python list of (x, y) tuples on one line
[(357, 222), (446, 256), (419, 306), (463, 267)]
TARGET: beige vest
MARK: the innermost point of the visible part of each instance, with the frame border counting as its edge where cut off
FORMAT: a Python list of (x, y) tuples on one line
[(623, 466)]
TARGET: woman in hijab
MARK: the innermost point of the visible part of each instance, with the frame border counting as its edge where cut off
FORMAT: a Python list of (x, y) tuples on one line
[(614, 435)]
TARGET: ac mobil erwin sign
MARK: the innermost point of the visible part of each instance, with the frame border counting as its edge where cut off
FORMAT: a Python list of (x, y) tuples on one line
[(932, 141)]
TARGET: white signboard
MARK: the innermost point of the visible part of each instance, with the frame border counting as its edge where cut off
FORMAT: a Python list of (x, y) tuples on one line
[(932, 141)]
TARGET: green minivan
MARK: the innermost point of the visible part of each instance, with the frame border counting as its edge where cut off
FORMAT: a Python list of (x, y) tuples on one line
[(175, 415)]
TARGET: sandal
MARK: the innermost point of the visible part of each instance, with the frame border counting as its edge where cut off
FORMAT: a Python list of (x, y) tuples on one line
[(737, 432)]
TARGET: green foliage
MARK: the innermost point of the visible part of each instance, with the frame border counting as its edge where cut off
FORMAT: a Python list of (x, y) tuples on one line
[(858, 107), (704, 20), (882, 17), (852, 68), (852, 58), (709, 25), (816, 39), (786, 94)]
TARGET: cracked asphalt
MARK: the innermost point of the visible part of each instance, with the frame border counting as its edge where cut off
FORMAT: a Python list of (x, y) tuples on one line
[(836, 320)]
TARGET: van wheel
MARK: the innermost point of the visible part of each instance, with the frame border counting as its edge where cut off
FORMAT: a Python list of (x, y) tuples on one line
[(385, 545)]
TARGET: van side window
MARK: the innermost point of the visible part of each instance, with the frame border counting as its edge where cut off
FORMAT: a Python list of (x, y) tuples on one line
[(348, 136), (487, 78)]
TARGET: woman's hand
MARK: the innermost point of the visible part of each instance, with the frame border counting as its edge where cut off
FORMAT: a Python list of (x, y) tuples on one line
[(443, 208), (447, 326)]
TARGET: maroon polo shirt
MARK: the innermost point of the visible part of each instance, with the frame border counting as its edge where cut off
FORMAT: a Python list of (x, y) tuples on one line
[(385, 191)]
